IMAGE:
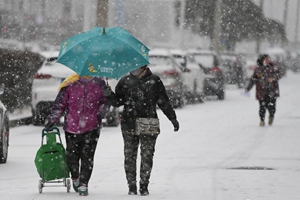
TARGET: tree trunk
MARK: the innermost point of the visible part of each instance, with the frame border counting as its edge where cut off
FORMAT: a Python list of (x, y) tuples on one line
[(217, 26)]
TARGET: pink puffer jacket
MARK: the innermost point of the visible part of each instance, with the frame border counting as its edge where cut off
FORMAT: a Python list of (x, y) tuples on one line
[(83, 105)]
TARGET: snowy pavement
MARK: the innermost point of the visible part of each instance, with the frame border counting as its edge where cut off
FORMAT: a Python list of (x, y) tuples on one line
[(219, 153)]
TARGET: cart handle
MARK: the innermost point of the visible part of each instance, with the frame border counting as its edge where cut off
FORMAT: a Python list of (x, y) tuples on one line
[(51, 129)]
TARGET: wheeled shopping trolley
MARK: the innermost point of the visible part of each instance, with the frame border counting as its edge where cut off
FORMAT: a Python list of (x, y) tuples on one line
[(50, 161)]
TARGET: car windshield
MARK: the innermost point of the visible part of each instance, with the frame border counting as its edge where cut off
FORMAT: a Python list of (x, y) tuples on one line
[(50, 61), (205, 60), (159, 60)]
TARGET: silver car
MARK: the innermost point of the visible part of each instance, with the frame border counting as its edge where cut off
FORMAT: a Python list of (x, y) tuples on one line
[(162, 65), (4, 130)]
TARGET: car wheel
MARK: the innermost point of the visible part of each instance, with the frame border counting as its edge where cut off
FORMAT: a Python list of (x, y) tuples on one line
[(190, 97), (221, 95), (112, 118), (36, 119), (181, 102), (177, 103), (111, 121), (200, 98), (4, 138), (41, 112)]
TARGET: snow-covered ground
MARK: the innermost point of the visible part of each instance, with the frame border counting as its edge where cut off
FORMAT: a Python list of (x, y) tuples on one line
[(219, 153)]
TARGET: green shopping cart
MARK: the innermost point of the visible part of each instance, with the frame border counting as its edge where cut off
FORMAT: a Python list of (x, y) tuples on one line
[(50, 161)]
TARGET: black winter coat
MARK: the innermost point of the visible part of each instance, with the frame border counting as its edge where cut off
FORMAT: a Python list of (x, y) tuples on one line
[(140, 97)]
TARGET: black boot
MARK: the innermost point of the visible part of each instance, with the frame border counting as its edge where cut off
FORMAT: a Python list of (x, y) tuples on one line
[(132, 189), (144, 190)]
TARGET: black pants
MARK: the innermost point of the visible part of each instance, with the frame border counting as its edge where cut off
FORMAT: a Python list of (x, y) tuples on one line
[(80, 153), (131, 144), (268, 103)]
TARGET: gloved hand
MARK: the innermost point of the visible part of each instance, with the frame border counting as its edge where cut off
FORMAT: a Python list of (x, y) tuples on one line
[(48, 126), (175, 124), (107, 91)]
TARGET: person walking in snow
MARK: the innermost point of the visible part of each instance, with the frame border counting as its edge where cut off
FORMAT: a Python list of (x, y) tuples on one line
[(82, 102), (265, 77), (239, 71), (140, 92)]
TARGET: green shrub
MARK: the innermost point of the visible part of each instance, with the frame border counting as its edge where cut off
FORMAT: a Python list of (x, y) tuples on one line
[(17, 69)]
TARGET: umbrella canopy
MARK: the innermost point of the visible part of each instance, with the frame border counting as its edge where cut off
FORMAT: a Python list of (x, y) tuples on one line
[(104, 52)]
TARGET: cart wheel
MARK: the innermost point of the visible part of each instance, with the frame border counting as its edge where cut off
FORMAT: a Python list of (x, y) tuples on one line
[(68, 185), (41, 185)]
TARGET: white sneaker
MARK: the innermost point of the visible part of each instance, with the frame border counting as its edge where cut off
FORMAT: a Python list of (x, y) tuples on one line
[(83, 190)]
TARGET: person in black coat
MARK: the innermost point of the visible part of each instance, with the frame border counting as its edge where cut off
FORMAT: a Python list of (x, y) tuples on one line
[(140, 92)]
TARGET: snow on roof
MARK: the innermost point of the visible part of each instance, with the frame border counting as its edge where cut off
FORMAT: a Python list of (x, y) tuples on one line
[(201, 51), (228, 57), (163, 52), (275, 51), (49, 54)]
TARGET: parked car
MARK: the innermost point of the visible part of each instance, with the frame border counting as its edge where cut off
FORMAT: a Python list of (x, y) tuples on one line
[(250, 64), (208, 61), (279, 58), (192, 76), (4, 130), (45, 88), (294, 62), (232, 65), (161, 64), (113, 117)]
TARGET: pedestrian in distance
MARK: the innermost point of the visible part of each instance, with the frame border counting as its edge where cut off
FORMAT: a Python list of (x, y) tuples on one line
[(82, 103), (266, 77), (239, 71), (140, 92)]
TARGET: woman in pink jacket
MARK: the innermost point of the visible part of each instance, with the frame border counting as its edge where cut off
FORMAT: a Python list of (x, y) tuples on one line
[(81, 101)]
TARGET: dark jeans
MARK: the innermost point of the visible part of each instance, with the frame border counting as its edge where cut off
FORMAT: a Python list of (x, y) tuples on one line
[(268, 103), (131, 144), (80, 153)]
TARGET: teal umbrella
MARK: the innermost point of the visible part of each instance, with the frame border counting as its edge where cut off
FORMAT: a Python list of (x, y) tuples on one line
[(104, 52)]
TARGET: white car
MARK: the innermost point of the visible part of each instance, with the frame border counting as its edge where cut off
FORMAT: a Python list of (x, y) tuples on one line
[(233, 66), (45, 88), (250, 66), (162, 64), (208, 61), (192, 75), (4, 130)]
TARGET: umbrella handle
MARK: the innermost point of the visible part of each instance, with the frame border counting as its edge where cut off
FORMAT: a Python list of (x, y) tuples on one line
[(107, 85)]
